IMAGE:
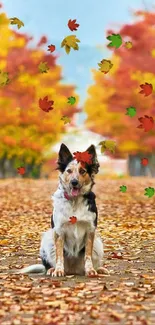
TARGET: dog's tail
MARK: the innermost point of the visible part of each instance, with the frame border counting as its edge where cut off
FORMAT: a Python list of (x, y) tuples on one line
[(36, 268)]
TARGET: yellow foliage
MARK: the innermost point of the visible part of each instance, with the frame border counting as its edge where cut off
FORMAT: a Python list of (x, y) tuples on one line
[(25, 130)]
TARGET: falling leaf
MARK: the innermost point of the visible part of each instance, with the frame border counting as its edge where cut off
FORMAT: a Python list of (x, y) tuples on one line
[(16, 21), (4, 79), (70, 42), (73, 220), (144, 161), (66, 119), (72, 24), (43, 67), (105, 66), (107, 145), (21, 170), (146, 89), (147, 123), (131, 111), (51, 48), (149, 191), (71, 100), (115, 40), (123, 188), (83, 157), (45, 104), (128, 45)]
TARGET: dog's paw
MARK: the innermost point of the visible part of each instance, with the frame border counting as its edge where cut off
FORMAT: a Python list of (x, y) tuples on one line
[(90, 271), (102, 270), (58, 272)]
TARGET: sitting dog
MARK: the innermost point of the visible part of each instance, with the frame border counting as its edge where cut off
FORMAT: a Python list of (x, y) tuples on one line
[(72, 245)]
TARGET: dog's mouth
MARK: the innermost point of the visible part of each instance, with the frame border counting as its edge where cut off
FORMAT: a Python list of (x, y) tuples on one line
[(75, 191)]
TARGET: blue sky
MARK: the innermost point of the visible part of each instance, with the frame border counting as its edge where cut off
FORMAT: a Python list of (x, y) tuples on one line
[(50, 17)]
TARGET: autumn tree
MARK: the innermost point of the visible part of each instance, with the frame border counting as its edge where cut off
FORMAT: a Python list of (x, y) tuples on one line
[(26, 131), (112, 93)]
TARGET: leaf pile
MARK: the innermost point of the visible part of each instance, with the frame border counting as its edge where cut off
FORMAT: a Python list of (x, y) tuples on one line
[(126, 223)]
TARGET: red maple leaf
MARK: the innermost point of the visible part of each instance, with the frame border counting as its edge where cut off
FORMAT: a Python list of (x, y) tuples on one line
[(146, 89), (51, 48), (72, 24), (21, 170), (83, 157), (45, 104), (147, 123), (72, 220), (144, 161)]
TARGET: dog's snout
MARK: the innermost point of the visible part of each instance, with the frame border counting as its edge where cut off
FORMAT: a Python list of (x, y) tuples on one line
[(74, 182)]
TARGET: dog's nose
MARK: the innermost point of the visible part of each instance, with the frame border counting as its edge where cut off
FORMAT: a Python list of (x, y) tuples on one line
[(74, 182)]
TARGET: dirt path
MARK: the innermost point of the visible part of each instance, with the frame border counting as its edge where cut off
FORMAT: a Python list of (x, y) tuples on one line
[(127, 225)]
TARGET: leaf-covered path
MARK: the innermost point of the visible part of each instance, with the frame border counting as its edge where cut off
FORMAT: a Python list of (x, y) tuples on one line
[(127, 225)]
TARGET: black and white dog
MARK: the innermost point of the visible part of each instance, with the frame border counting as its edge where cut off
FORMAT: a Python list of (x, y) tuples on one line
[(72, 245)]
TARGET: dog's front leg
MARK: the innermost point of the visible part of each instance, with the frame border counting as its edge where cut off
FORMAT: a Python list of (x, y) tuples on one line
[(59, 245), (89, 269)]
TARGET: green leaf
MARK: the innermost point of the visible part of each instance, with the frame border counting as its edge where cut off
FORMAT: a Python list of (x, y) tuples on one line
[(123, 188), (149, 191), (71, 100), (131, 111), (116, 40)]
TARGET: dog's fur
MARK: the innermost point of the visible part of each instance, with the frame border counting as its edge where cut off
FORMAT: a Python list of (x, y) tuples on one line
[(69, 248)]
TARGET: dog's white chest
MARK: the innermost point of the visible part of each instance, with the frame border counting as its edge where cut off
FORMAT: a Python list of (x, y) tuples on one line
[(74, 233)]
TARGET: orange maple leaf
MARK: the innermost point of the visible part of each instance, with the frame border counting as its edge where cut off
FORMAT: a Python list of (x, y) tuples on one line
[(83, 157), (147, 123), (73, 220), (72, 24), (45, 104), (21, 170), (51, 48), (146, 89), (144, 161)]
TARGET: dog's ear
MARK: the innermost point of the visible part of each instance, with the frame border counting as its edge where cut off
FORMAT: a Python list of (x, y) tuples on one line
[(94, 167), (64, 158)]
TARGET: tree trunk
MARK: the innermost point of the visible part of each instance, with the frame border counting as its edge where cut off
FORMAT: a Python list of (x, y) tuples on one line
[(135, 168), (152, 165), (2, 167)]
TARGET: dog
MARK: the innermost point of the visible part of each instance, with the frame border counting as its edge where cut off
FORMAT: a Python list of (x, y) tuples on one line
[(72, 247)]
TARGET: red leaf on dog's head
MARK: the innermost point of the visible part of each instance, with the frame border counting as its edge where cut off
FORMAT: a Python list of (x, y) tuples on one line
[(83, 157), (144, 161), (146, 89), (72, 24), (21, 170), (51, 48), (45, 104), (73, 220), (147, 123)]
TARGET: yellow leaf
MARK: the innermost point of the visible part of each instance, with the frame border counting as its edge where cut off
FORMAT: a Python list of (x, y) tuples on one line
[(3, 242), (66, 119), (70, 42), (16, 21), (128, 45), (105, 66), (108, 144)]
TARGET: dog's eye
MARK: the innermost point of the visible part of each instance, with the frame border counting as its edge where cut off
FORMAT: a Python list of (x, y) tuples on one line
[(82, 171), (69, 171)]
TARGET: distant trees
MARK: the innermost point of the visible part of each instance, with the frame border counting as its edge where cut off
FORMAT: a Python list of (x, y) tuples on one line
[(26, 132), (111, 94)]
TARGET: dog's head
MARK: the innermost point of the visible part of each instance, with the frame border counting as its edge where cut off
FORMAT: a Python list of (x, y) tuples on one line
[(75, 178)]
